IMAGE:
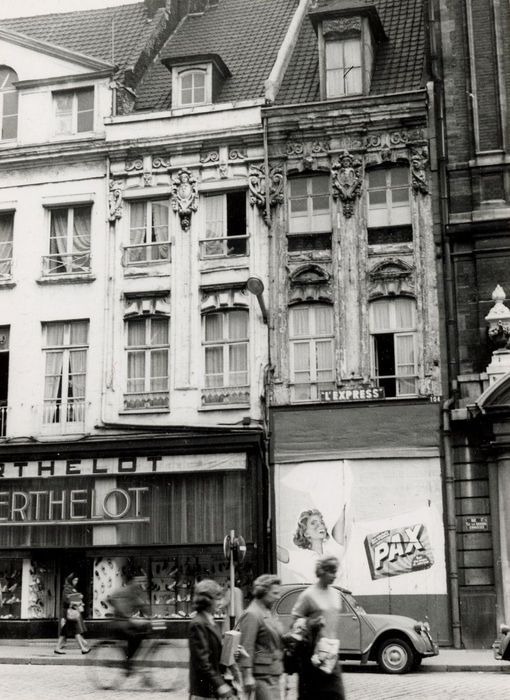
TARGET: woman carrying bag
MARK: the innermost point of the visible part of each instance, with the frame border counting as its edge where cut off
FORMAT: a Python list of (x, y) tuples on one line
[(261, 638), (71, 622)]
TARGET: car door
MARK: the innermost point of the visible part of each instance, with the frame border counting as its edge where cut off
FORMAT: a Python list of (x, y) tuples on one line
[(284, 607), (350, 629)]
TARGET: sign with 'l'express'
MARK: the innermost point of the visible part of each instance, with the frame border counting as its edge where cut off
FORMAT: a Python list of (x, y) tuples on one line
[(353, 394)]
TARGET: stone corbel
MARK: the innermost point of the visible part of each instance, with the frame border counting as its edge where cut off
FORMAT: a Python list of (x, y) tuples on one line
[(419, 160), (347, 179), (115, 199), (223, 298), (139, 305), (184, 197), (391, 277), (257, 183)]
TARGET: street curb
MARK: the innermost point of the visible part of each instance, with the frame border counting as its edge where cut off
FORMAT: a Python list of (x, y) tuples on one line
[(71, 661)]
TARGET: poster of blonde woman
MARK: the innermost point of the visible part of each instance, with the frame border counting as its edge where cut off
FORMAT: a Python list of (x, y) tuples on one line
[(381, 518)]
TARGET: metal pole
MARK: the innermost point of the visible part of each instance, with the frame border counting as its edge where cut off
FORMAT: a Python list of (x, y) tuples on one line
[(232, 581)]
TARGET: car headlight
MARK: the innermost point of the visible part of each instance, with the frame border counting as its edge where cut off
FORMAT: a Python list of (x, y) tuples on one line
[(422, 627)]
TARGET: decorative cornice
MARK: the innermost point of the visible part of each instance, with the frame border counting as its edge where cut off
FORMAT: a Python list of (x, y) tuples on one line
[(310, 283), (391, 277), (341, 25)]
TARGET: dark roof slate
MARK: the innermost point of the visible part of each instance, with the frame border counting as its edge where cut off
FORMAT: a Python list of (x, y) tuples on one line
[(90, 31), (399, 62), (247, 34)]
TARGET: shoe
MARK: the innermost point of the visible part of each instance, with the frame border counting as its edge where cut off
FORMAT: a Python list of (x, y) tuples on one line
[(58, 651), (85, 651)]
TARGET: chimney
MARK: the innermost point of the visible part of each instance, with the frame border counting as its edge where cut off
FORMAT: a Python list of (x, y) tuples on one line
[(152, 6)]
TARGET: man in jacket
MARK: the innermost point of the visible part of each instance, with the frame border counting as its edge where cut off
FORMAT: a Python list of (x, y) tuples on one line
[(261, 637)]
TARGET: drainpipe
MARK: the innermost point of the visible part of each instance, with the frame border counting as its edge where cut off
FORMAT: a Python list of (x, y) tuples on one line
[(451, 522)]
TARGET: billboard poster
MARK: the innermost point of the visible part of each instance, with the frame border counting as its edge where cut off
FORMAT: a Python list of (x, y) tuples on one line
[(382, 518)]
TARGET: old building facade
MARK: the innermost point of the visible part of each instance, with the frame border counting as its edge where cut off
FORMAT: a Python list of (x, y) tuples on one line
[(471, 68)]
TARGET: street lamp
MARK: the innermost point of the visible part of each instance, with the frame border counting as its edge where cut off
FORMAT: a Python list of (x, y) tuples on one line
[(255, 286)]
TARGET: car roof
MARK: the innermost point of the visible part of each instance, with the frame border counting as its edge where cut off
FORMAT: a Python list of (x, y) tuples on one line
[(291, 586)]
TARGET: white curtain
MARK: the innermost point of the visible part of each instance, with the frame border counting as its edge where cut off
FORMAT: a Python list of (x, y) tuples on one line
[(6, 222), (159, 370), (404, 356), (136, 371), (159, 230), (324, 359), (238, 325), (334, 68), (299, 321), (213, 327), (352, 66), (58, 240), (404, 316), (79, 332), (52, 387), (301, 356), (55, 334), (81, 240), (323, 319), (238, 364), (380, 316), (215, 224), (214, 366), (63, 112), (137, 231), (76, 390)]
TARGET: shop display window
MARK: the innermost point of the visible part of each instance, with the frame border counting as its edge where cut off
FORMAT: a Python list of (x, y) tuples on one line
[(41, 589), (10, 589)]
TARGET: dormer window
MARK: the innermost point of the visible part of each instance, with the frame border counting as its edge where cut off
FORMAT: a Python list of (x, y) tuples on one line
[(347, 37), (192, 87), (196, 80), (8, 103), (74, 111)]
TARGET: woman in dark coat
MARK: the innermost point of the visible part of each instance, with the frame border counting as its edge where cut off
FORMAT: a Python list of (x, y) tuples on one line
[(71, 620), (205, 679)]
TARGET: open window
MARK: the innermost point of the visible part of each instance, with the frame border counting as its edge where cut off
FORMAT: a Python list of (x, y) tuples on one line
[(225, 225)]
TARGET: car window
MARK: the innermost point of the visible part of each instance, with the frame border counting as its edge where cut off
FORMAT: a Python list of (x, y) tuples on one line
[(287, 603), (353, 603)]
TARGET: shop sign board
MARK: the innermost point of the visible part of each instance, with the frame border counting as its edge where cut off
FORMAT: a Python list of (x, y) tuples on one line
[(354, 394), (113, 466), (477, 523)]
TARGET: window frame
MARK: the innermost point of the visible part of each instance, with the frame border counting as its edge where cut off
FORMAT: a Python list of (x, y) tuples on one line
[(226, 343), (50, 258), (341, 42), (10, 74), (67, 403), (182, 71), (396, 332), (217, 247), (6, 262), (390, 205), (310, 195), (312, 339), (147, 247), (74, 116), (147, 349)]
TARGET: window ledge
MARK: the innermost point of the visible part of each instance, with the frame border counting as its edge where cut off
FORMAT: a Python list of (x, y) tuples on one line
[(224, 407), (68, 279), (146, 271), (7, 284), (144, 411)]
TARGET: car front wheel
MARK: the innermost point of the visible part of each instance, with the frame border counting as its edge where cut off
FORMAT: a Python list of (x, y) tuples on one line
[(395, 656)]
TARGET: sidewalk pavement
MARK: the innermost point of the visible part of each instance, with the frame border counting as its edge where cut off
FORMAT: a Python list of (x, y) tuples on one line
[(40, 652)]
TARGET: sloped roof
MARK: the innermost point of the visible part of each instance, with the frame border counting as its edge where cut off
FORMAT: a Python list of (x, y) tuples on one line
[(398, 63), (247, 34), (90, 31)]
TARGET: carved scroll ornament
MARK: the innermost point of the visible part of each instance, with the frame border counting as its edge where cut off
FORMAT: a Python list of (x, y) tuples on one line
[(115, 200), (257, 186), (184, 196), (347, 180)]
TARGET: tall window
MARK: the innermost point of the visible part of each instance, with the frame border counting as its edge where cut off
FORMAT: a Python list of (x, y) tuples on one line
[(393, 330), (148, 232), (309, 213), (147, 350), (312, 355), (225, 225), (8, 103), (192, 88), (69, 241), (65, 349), (343, 67), (74, 111), (389, 210), (6, 229), (226, 349)]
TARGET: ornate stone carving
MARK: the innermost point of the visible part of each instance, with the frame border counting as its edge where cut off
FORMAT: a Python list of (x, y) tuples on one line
[(310, 283), (347, 180), (419, 160), (210, 157), (148, 179), (115, 199), (294, 149), (223, 297), (161, 162), (134, 164), (223, 170), (257, 186), (391, 277), (341, 25), (498, 318), (184, 196), (236, 154)]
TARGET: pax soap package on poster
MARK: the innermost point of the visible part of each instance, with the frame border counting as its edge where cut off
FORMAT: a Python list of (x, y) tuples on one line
[(231, 641)]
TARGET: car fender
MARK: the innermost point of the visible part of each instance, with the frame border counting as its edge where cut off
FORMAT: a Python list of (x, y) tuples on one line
[(412, 638)]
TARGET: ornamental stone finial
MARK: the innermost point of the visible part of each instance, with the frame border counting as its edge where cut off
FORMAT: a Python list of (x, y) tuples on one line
[(498, 319)]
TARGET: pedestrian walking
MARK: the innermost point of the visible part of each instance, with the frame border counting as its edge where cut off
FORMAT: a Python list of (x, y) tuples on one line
[(71, 619), (205, 678), (317, 610), (261, 638)]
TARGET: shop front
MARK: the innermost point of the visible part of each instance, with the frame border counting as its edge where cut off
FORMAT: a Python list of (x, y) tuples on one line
[(103, 518), (362, 481)]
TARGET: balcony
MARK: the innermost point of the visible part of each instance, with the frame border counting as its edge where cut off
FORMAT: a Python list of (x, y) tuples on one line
[(223, 247), (146, 254), (63, 412), (63, 264), (146, 401), (226, 396)]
